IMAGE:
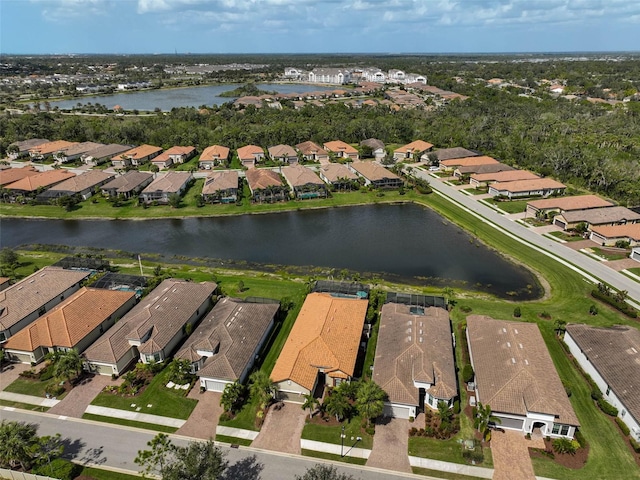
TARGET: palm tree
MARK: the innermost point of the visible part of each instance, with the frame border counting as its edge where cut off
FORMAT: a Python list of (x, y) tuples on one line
[(231, 395), (370, 400), (68, 365), (262, 387), (311, 403), (18, 441), (338, 404), (483, 416)]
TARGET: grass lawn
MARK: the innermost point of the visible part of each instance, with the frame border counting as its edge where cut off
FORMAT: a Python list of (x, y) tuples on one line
[(335, 458), (165, 402), (610, 255), (475, 191), (31, 387), (233, 440), (129, 423), (566, 236), (509, 206), (23, 406), (245, 419), (331, 433), (102, 474), (444, 450), (635, 271), (439, 474)]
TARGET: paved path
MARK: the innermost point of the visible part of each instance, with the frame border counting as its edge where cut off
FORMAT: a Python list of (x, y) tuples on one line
[(282, 429), (77, 400), (510, 452), (391, 445), (28, 399), (203, 421), (135, 416)]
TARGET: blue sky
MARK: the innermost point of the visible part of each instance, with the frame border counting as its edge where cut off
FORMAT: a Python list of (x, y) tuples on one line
[(317, 26)]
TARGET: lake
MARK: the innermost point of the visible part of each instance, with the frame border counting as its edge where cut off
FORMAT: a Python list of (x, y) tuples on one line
[(165, 100), (399, 242)]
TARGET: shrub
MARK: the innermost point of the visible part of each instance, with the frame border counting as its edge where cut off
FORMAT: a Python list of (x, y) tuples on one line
[(623, 426), (596, 394), (635, 445), (413, 431), (564, 445), (466, 308), (54, 389), (473, 456), (593, 310), (456, 407), (567, 388), (517, 312), (621, 306), (58, 468), (579, 437), (607, 408), (467, 373)]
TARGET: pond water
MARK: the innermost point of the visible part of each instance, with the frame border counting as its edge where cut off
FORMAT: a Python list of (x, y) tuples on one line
[(400, 242), (165, 100)]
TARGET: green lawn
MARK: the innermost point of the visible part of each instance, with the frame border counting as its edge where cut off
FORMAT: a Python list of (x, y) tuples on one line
[(23, 406), (165, 402), (476, 191), (439, 474), (509, 206), (331, 433), (444, 450), (610, 255), (335, 458), (31, 387), (233, 440), (129, 423), (102, 474), (245, 419), (566, 236), (635, 271)]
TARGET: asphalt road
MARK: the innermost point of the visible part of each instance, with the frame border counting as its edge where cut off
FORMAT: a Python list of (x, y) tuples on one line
[(591, 269), (114, 446)]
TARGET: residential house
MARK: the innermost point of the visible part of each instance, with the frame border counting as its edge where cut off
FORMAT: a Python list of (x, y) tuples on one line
[(82, 185), (164, 186), (129, 184), (73, 324), (266, 185), (293, 73), (479, 180), (322, 347), (635, 254), (453, 163), (213, 156), (609, 235), (414, 361), (21, 149), (152, 329), (377, 148), (30, 185), (395, 75), (50, 149), (611, 357), (542, 187), (516, 378), (374, 174), (341, 149), (175, 155), (329, 75), (312, 152), (224, 346), (283, 153), (549, 206), (103, 154), (221, 187), (338, 175), (136, 156), (249, 155), (452, 153), (10, 175), (33, 296), (414, 151), (616, 215), (467, 170), (304, 182), (5, 282), (76, 151)]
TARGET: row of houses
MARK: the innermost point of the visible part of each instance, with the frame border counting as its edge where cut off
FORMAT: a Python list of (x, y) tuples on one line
[(341, 76)]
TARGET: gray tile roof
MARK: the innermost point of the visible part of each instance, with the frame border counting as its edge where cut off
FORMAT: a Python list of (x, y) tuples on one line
[(220, 180), (79, 183), (107, 151), (455, 152), (171, 182), (599, 216), (128, 182)]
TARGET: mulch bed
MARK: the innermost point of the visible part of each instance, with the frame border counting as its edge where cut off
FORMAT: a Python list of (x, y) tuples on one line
[(328, 420), (567, 460)]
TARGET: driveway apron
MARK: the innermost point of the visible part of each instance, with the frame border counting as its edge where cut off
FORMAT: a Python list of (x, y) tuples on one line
[(391, 445), (203, 421), (510, 452), (282, 429)]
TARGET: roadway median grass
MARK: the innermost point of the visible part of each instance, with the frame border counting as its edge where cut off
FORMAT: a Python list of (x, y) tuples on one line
[(129, 423)]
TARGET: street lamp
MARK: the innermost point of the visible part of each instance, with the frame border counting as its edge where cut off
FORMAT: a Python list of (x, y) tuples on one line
[(342, 442)]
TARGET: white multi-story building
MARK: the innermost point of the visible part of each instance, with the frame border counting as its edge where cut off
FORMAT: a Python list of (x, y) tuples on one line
[(330, 75)]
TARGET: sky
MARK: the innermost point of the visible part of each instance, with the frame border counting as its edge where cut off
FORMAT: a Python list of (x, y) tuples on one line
[(317, 26)]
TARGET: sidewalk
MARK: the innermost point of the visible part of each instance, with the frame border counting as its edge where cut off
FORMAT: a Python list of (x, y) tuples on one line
[(78, 399), (29, 399), (135, 416)]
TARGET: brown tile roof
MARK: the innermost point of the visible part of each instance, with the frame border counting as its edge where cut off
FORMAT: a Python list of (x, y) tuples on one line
[(85, 180), (181, 150), (578, 202), (260, 178), (220, 180), (326, 334), (615, 354), (310, 148), (414, 348), (214, 152), (467, 161), (372, 143), (505, 176), (282, 151), (336, 171), (599, 216), (339, 146), (71, 321), (455, 152), (171, 182), (417, 146), (629, 230), (528, 185), (31, 293), (488, 168), (128, 181), (514, 371), (298, 176), (51, 147), (142, 151), (107, 151), (163, 312), (248, 152), (372, 171), (80, 148), (42, 179), (233, 330), (26, 145), (11, 175)]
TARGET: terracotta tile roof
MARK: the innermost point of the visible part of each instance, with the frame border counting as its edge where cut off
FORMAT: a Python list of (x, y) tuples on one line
[(372, 171), (504, 176), (171, 182), (70, 322), (417, 146), (615, 354), (140, 152), (11, 175), (80, 148), (414, 348), (51, 147), (233, 330), (629, 230), (599, 216), (514, 371), (334, 172), (311, 148), (214, 152), (578, 202), (128, 181), (326, 334), (35, 291), (88, 179), (337, 146), (42, 179), (298, 176), (467, 161), (220, 180), (260, 178), (528, 185), (249, 152), (282, 151), (181, 150)]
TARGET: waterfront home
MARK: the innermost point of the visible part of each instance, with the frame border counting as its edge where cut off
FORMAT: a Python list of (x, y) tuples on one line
[(283, 153), (103, 154), (73, 324), (33, 296), (322, 347), (339, 176), (83, 185), (30, 185), (50, 149), (377, 148), (341, 149), (542, 187), (615, 215), (225, 345), (250, 155), (609, 235), (479, 180), (266, 185), (10, 175), (414, 360), (549, 206), (414, 152), (376, 175), (213, 156), (129, 184), (304, 182), (516, 378), (152, 329), (221, 187), (76, 151), (21, 149), (164, 186), (312, 152), (136, 156), (329, 75)]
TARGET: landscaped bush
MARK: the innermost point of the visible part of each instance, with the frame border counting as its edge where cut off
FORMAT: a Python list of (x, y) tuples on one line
[(456, 407), (467, 373), (29, 374), (623, 426), (46, 372), (517, 312), (466, 308), (621, 306), (579, 437), (59, 468), (473, 456), (564, 445), (635, 445), (607, 408), (54, 389)]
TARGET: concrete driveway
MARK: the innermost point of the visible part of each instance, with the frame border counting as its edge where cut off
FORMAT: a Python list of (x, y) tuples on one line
[(282, 429), (11, 372), (510, 452), (77, 400), (203, 421), (391, 445)]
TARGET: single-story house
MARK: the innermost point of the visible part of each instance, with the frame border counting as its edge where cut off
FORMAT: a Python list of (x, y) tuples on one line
[(414, 361), (484, 179), (173, 156), (341, 149), (50, 149), (82, 185), (337, 175), (224, 346), (249, 155), (213, 156), (21, 149), (608, 235), (304, 182), (526, 188), (312, 152), (516, 378), (266, 185), (322, 347), (455, 152), (10, 175), (546, 206), (221, 187), (129, 184), (377, 147), (33, 296), (283, 153), (454, 163), (152, 329), (467, 170), (74, 324), (31, 184), (164, 186), (76, 151), (616, 215), (376, 175), (136, 156), (5, 282), (103, 154), (414, 151), (611, 357), (635, 254)]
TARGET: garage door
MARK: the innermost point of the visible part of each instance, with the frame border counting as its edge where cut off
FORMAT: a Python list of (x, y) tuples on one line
[(559, 223), (20, 357), (214, 385), (397, 411), (512, 423)]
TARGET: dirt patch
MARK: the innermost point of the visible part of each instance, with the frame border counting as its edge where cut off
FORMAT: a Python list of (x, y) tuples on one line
[(575, 461)]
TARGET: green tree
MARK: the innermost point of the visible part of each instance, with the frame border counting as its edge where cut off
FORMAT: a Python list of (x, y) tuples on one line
[(174, 200), (155, 460), (311, 403), (323, 472), (337, 404), (68, 202), (483, 417), (48, 448), (231, 396), (262, 388), (18, 444), (370, 399), (68, 365), (445, 414), (196, 461)]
